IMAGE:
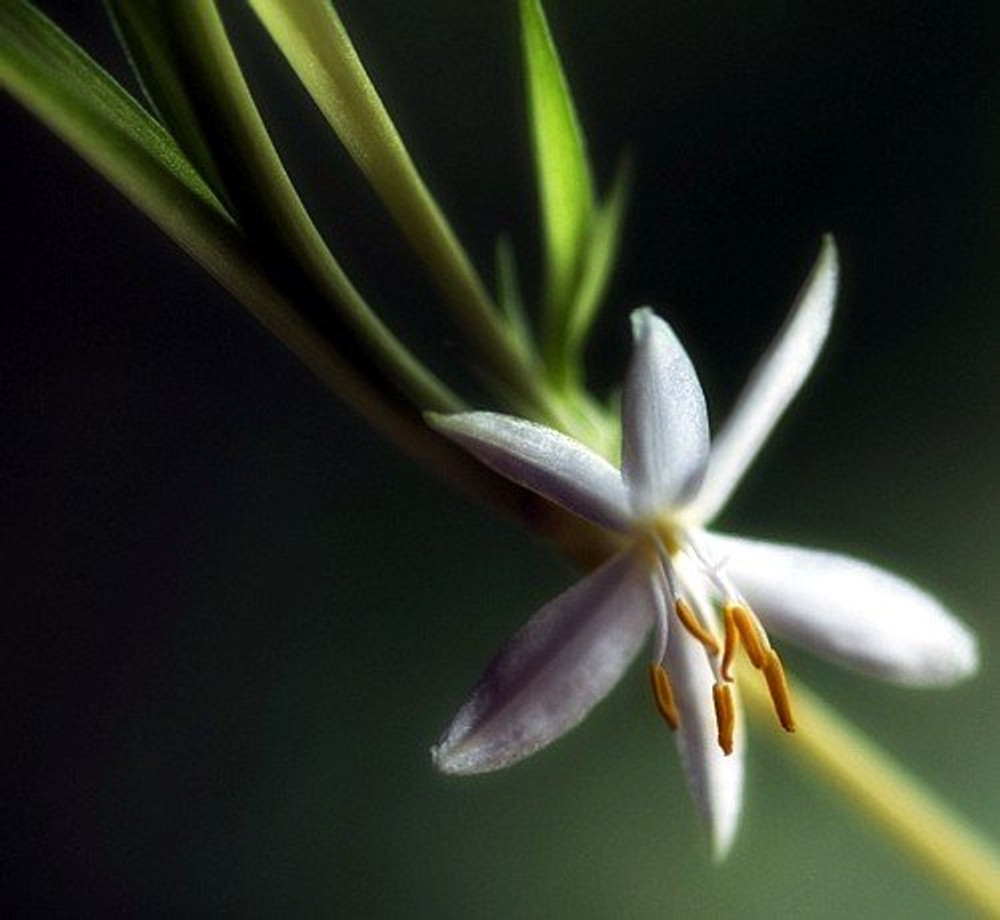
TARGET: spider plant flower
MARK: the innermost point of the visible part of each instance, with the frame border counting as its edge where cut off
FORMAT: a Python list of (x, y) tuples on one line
[(703, 595)]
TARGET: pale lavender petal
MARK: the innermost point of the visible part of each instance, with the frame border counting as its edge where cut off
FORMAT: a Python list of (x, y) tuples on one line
[(664, 420), (561, 663), (714, 778), (849, 611), (772, 385), (543, 460)]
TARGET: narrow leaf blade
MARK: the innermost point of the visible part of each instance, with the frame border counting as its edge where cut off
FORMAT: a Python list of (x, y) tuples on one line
[(184, 55), (143, 33), (61, 85), (313, 39), (72, 95), (600, 256), (509, 293), (563, 173)]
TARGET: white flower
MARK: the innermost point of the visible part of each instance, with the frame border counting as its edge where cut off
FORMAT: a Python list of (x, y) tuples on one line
[(702, 594)]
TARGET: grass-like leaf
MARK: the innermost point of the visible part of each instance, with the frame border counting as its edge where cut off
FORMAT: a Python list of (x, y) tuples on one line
[(65, 89), (187, 65), (509, 293), (313, 39), (600, 254), (144, 34), (53, 78), (565, 186)]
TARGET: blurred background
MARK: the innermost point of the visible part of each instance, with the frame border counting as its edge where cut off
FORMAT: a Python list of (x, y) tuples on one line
[(234, 621)]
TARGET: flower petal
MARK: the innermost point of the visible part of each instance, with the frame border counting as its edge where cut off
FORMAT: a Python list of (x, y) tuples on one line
[(715, 779), (664, 420), (543, 460), (771, 387), (554, 670), (849, 611)]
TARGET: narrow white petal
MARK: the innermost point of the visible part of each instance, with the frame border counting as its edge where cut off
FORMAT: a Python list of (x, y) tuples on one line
[(715, 779), (561, 663), (772, 385), (850, 611), (543, 460), (664, 420)]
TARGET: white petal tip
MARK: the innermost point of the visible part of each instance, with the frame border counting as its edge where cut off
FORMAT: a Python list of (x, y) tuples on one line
[(639, 319), (722, 820), (825, 275), (543, 460), (467, 758), (722, 845), (941, 653), (969, 661), (956, 657), (447, 760), (664, 419), (461, 751), (464, 751)]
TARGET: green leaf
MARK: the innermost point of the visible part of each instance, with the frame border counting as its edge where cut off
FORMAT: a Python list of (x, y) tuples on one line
[(186, 62), (313, 39), (600, 255), (52, 77), (509, 293), (146, 38), (565, 186)]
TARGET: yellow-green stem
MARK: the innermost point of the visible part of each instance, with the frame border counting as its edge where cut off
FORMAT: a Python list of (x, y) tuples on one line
[(962, 859)]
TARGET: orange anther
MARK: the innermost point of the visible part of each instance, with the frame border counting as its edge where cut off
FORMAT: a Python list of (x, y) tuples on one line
[(725, 715), (732, 641), (694, 626), (663, 693), (777, 685), (753, 636)]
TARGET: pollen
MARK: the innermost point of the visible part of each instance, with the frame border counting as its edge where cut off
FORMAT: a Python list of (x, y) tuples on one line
[(725, 715), (663, 693)]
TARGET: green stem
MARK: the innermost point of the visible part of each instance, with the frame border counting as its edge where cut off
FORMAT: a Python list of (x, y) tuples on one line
[(903, 807)]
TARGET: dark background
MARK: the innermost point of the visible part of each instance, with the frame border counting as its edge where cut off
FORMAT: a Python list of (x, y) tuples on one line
[(234, 621)]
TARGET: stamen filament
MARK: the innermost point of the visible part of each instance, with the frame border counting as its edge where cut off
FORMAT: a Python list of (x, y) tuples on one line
[(777, 686), (693, 625), (663, 693), (725, 715)]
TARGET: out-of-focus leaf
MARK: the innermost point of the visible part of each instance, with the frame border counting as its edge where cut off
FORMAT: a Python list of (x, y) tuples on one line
[(600, 255), (509, 292), (60, 84), (565, 185), (313, 39), (185, 59)]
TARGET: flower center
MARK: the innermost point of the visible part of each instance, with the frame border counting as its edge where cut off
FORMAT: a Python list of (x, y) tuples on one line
[(695, 592)]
